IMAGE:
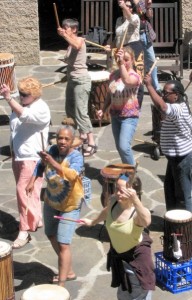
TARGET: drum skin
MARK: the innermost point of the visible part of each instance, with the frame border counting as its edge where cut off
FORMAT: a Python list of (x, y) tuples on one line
[(179, 223), (6, 272), (110, 174), (99, 90), (46, 292), (7, 71)]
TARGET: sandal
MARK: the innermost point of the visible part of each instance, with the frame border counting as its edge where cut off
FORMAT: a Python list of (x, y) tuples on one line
[(56, 279), (93, 150), (84, 140), (18, 243)]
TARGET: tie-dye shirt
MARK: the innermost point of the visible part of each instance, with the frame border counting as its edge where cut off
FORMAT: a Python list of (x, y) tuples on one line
[(64, 191), (124, 101)]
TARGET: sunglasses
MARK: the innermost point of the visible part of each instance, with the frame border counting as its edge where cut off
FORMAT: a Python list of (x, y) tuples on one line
[(166, 93), (130, 6), (23, 94)]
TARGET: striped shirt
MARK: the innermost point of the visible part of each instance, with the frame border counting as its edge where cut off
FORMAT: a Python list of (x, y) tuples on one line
[(176, 130)]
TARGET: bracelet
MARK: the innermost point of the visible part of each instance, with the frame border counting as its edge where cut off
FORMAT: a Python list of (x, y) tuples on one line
[(9, 100)]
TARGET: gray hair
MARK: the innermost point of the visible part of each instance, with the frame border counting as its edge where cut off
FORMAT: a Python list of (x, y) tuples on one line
[(66, 127), (72, 23)]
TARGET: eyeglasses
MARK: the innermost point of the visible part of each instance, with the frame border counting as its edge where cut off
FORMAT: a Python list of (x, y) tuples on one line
[(166, 93), (23, 94)]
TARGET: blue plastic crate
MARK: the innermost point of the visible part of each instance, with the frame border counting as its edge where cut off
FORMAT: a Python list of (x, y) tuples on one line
[(87, 189), (176, 277)]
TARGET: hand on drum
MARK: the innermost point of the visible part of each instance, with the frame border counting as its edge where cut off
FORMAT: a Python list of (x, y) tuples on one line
[(99, 114), (5, 91)]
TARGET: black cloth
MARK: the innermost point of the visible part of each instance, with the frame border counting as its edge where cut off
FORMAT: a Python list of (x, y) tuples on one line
[(139, 258)]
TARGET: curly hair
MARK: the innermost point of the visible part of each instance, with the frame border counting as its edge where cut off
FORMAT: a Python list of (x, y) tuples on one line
[(30, 85)]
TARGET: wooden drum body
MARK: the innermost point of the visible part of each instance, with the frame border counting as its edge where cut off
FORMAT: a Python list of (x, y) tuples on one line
[(6, 272), (99, 90), (46, 292), (110, 174), (7, 71), (177, 235)]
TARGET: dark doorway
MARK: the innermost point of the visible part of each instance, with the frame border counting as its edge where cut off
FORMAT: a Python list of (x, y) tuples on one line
[(49, 39)]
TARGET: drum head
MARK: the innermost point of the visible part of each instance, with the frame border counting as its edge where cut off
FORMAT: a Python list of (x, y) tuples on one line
[(113, 171), (4, 249), (178, 215), (5, 56), (46, 292), (99, 75)]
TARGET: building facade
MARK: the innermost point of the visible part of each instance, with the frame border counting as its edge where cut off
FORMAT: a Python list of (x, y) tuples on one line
[(26, 27)]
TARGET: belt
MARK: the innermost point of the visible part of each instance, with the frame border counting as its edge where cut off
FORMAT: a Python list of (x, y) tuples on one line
[(142, 31)]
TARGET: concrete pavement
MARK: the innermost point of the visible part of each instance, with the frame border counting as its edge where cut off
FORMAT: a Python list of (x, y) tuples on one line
[(36, 263)]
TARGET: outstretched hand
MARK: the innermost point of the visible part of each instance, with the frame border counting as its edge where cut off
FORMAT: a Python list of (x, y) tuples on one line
[(86, 221)]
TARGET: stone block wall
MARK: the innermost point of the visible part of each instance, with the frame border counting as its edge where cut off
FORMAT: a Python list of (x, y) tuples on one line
[(19, 30), (186, 22)]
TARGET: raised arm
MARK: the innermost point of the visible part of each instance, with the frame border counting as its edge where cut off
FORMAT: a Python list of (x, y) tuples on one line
[(157, 100)]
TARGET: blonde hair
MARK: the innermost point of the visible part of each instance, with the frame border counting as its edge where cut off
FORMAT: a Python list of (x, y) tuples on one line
[(31, 86), (130, 51)]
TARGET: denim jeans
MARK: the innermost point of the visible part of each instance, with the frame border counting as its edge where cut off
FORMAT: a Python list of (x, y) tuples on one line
[(149, 58), (178, 182), (62, 229), (123, 131)]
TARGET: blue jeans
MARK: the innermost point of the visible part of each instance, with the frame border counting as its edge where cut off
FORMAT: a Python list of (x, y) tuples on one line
[(178, 182), (123, 130), (149, 58)]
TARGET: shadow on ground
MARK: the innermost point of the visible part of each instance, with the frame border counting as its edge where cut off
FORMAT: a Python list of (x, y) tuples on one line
[(31, 273), (97, 232), (9, 226)]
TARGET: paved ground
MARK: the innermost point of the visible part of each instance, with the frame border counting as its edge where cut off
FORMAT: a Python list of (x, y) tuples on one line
[(36, 263)]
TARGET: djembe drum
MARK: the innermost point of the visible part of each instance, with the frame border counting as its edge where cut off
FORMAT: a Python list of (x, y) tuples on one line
[(177, 235), (99, 90), (7, 71), (110, 174), (6, 272), (46, 292)]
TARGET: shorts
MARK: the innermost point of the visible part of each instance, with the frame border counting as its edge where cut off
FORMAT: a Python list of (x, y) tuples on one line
[(62, 229)]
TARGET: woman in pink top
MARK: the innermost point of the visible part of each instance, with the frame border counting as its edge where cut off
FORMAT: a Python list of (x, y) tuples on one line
[(123, 101)]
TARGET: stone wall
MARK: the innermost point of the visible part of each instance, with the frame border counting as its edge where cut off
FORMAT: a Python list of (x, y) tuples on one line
[(186, 22), (19, 30)]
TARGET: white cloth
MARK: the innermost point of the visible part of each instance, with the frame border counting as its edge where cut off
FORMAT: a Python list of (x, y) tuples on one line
[(133, 29), (25, 130)]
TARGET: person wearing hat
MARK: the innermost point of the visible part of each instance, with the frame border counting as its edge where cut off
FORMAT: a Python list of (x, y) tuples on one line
[(175, 142), (129, 256)]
